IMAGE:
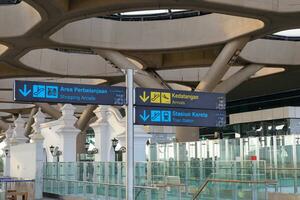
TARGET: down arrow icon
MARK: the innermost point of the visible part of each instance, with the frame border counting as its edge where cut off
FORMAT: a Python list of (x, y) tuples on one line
[(24, 92)]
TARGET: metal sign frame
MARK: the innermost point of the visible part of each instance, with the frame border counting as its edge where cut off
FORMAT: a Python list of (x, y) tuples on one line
[(33, 91), (179, 99), (179, 117)]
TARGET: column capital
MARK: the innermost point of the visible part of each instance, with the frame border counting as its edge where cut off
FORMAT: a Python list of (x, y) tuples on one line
[(39, 118), (68, 120), (68, 117), (68, 109), (102, 114), (8, 135), (9, 132), (19, 121), (37, 137), (101, 110), (18, 135)]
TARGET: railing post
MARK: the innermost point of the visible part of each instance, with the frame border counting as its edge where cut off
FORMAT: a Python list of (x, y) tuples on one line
[(254, 177), (106, 178), (235, 197), (149, 179)]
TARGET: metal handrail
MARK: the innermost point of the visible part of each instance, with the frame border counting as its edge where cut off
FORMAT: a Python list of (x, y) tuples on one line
[(267, 182), (274, 169)]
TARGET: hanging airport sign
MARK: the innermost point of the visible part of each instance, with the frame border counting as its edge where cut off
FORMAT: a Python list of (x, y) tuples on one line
[(179, 99), (179, 117), (30, 91)]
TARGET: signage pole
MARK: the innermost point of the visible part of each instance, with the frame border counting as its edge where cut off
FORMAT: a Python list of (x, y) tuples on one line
[(130, 137)]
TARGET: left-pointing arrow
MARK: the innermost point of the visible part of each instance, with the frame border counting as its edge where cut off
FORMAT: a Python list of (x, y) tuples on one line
[(24, 92)]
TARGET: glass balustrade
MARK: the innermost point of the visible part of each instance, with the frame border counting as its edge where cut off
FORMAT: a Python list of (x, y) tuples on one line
[(237, 190), (278, 151), (181, 168), (153, 180)]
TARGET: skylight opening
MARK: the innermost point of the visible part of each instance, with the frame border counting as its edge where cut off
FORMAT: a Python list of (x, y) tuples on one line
[(289, 33), (151, 12), (155, 14)]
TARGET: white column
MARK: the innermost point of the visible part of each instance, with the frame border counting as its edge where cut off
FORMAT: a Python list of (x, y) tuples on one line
[(140, 139), (6, 148), (102, 134), (68, 133), (18, 136), (38, 139)]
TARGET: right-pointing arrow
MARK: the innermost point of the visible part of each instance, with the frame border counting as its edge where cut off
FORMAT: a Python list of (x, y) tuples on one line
[(24, 92), (144, 117)]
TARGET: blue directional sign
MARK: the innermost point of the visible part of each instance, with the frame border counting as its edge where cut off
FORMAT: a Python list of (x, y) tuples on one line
[(30, 91), (179, 117), (179, 99)]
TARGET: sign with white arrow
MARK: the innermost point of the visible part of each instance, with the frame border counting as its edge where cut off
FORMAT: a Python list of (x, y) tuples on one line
[(179, 99), (24, 91), (30, 91), (179, 117), (179, 108)]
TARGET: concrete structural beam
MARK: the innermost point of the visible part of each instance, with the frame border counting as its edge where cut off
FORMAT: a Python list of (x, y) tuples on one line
[(272, 52), (237, 78), (17, 19), (40, 25), (38, 20), (150, 34), (68, 63), (211, 79), (4, 126), (192, 74), (3, 48), (85, 117), (30, 121), (221, 65), (142, 78), (56, 114), (238, 5)]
